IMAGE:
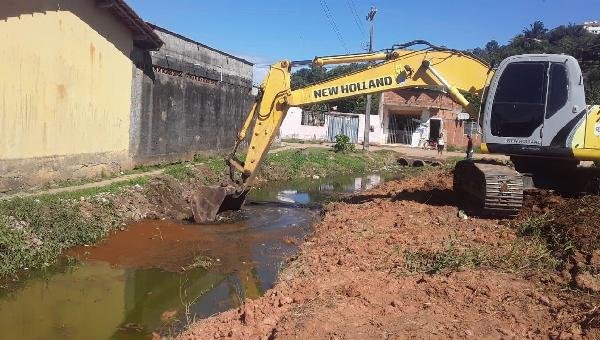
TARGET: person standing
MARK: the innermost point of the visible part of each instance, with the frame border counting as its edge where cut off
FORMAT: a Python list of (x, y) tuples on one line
[(469, 147), (440, 143)]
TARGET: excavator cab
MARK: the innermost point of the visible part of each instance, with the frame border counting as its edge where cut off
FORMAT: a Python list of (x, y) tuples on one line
[(536, 113), (535, 107)]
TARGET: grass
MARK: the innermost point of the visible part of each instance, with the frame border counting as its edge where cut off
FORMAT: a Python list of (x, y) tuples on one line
[(215, 164), (180, 171), (297, 163), (450, 258), (529, 254), (526, 254), (114, 187), (34, 232)]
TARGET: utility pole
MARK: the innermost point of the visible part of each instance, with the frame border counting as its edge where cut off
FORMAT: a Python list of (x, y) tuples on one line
[(370, 19)]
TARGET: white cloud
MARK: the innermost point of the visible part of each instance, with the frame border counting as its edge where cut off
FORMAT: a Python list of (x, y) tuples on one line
[(260, 73), (261, 65)]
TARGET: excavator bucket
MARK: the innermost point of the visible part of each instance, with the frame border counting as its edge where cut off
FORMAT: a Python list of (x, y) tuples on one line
[(209, 201)]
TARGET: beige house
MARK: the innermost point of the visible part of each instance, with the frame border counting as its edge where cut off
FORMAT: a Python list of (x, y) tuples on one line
[(66, 90)]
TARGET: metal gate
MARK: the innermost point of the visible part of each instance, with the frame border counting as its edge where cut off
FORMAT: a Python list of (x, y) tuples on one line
[(401, 128), (342, 125)]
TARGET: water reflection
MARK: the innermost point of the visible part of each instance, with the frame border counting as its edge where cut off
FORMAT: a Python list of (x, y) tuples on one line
[(316, 191)]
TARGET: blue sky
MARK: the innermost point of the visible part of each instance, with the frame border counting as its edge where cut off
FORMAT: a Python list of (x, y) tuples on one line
[(268, 30)]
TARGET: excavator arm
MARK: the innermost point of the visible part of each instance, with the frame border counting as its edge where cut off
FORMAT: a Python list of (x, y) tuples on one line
[(446, 70)]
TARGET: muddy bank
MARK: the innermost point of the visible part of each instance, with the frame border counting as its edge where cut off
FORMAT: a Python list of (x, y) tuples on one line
[(35, 231), (168, 196), (398, 262)]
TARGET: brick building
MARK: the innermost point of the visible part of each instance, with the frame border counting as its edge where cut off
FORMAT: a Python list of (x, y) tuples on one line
[(412, 117)]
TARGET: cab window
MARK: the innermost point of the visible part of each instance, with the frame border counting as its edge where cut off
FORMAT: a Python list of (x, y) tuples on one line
[(519, 101), (558, 89)]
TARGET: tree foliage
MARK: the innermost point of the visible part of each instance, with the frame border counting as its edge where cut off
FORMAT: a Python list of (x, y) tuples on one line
[(568, 39), (314, 74)]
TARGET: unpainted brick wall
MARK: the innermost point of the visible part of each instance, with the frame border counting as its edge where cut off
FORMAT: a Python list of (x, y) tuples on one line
[(440, 106)]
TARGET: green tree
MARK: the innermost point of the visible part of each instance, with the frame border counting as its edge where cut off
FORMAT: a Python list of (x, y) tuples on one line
[(569, 39), (537, 30)]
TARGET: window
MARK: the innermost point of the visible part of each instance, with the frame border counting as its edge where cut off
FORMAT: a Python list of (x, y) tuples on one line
[(519, 102), (470, 128), (558, 92), (313, 118)]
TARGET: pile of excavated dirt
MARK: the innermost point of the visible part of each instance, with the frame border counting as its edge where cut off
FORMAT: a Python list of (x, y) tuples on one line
[(397, 262), (575, 222)]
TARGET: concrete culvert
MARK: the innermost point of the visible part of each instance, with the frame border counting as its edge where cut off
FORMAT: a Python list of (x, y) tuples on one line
[(403, 161), (418, 163)]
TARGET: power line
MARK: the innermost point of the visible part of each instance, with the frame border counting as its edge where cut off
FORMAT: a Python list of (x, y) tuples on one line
[(329, 16), (357, 21)]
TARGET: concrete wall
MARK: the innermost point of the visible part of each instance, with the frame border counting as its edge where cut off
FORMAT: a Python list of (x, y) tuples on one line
[(188, 98), (375, 136), (292, 128), (65, 94)]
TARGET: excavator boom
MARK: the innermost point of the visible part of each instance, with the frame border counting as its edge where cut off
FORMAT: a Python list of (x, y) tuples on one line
[(435, 68)]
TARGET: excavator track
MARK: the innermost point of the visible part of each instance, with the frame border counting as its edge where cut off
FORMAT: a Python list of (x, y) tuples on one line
[(492, 189)]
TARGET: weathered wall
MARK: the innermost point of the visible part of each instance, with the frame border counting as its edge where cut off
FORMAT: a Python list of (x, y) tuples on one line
[(65, 90), (188, 98)]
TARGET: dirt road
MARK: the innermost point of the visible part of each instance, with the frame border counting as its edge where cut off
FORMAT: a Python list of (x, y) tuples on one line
[(398, 262)]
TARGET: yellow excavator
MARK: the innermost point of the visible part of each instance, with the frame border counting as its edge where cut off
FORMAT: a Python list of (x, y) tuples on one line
[(533, 110)]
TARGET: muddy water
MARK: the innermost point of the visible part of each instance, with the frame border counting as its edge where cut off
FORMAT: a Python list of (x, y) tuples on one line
[(159, 275)]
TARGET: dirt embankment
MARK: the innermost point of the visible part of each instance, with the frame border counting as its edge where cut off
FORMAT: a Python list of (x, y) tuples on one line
[(398, 262), (167, 196)]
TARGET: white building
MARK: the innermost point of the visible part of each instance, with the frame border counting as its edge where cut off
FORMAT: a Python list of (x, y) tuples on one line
[(592, 26), (324, 126)]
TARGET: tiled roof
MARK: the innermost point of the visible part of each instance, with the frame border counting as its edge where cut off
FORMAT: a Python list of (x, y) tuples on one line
[(143, 34)]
